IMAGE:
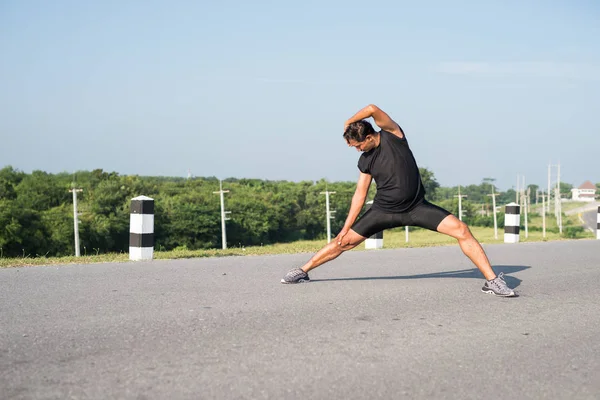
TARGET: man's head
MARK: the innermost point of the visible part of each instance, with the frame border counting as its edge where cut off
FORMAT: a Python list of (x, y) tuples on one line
[(361, 136)]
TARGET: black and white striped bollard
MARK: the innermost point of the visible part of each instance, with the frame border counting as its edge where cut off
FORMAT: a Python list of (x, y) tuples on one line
[(375, 241), (141, 228), (598, 224), (512, 222)]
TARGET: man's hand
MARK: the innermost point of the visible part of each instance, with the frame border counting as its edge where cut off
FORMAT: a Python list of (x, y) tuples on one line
[(358, 200), (381, 119), (340, 237), (348, 122)]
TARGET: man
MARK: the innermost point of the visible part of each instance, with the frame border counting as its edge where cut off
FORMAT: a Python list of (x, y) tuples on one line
[(399, 201)]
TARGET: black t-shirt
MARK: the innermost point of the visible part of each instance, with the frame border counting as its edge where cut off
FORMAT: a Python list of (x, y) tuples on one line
[(396, 174)]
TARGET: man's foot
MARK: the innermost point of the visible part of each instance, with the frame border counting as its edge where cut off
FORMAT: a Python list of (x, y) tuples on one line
[(296, 275), (498, 287)]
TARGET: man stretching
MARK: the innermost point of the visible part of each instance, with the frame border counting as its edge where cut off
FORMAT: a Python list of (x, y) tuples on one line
[(399, 201)]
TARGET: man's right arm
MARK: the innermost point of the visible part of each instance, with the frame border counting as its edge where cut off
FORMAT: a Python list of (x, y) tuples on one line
[(358, 200)]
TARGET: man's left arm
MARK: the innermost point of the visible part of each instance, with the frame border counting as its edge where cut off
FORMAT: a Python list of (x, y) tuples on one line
[(380, 117)]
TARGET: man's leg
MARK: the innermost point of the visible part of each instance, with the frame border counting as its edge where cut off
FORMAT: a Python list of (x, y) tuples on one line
[(454, 227), (331, 251)]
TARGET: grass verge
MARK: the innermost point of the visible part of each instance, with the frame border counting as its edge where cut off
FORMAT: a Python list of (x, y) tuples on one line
[(393, 238)]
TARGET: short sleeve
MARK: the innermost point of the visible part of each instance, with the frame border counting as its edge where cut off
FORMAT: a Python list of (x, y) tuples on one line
[(363, 165)]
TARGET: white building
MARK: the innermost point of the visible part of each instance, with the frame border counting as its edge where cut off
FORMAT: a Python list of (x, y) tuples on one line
[(585, 192)]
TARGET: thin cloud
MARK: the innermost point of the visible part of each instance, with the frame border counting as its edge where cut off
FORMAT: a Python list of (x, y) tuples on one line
[(281, 80), (317, 81), (584, 71)]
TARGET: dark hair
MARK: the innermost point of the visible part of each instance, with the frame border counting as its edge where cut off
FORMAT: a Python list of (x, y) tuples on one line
[(358, 131)]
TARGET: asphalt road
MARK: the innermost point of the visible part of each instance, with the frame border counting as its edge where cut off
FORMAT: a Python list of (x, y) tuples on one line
[(591, 206), (388, 324), (590, 219)]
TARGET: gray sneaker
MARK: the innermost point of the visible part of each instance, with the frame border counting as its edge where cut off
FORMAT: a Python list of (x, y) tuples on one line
[(498, 287), (296, 275)]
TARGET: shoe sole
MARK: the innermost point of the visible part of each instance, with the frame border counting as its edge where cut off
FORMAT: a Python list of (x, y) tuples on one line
[(511, 294), (298, 281)]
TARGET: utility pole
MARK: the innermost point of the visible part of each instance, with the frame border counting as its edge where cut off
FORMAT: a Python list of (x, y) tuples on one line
[(524, 201), (460, 203), (558, 210), (493, 195), (328, 213), (543, 215), (523, 188), (520, 190), (558, 178), (557, 196), (549, 183), (76, 219), (528, 200), (558, 200), (223, 214)]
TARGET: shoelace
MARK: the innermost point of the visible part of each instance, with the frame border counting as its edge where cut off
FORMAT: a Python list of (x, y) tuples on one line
[(499, 282), (295, 273)]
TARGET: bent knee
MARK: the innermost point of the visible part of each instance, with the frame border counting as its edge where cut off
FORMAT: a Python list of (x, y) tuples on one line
[(462, 231), (353, 239), (454, 227), (348, 246)]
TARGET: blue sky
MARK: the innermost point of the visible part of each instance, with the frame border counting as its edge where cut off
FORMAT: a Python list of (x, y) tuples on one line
[(257, 90)]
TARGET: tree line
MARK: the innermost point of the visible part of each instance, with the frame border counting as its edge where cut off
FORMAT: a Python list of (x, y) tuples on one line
[(36, 210)]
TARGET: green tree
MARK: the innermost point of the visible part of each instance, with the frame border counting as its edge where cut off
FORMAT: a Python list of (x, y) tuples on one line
[(533, 189), (429, 182), (565, 189), (9, 179), (22, 232), (58, 228), (506, 197), (41, 191)]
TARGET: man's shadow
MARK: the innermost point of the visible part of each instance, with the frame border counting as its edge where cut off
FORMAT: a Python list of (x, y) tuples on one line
[(474, 273)]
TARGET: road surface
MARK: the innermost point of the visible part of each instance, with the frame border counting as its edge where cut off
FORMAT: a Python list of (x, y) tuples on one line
[(590, 220), (379, 324)]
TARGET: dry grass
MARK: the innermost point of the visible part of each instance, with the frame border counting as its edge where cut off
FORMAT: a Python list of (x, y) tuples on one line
[(394, 238)]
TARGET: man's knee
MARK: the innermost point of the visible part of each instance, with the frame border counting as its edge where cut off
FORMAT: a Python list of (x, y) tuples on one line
[(354, 240), (349, 246), (454, 227), (462, 231), (336, 247)]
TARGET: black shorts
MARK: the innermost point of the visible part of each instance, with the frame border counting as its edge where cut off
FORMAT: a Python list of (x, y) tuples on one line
[(424, 215)]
